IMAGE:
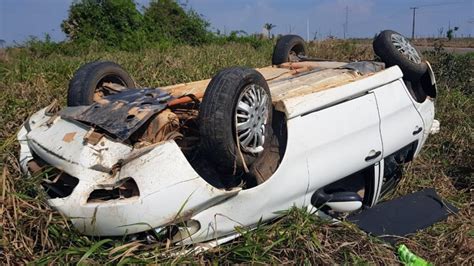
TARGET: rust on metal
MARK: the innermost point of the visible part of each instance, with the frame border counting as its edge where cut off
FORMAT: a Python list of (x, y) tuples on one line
[(68, 137), (113, 86), (186, 99), (98, 95), (107, 88), (283, 71), (93, 137), (161, 127)]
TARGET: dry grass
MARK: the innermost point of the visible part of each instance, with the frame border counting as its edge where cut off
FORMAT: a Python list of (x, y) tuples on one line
[(32, 232), (341, 50), (457, 42)]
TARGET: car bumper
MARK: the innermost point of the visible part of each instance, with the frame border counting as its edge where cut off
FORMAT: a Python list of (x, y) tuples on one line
[(168, 187)]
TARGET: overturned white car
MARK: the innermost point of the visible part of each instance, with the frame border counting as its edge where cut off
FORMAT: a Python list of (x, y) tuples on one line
[(193, 161)]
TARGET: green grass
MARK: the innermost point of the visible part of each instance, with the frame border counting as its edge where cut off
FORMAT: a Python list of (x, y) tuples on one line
[(32, 232)]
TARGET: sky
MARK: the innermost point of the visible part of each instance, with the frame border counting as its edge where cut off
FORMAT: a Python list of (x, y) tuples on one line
[(20, 19)]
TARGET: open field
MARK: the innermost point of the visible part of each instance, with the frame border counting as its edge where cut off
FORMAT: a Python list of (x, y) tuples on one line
[(457, 46), (432, 42), (453, 50), (455, 43), (32, 232)]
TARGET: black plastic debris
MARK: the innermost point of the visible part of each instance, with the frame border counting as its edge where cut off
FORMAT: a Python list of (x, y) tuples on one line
[(123, 113), (403, 215)]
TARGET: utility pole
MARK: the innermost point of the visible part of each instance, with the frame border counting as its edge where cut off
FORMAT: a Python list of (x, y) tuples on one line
[(413, 25), (428, 5), (307, 29), (346, 23)]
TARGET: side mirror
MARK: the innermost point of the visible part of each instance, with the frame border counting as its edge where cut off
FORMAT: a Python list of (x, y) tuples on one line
[(345, 201)]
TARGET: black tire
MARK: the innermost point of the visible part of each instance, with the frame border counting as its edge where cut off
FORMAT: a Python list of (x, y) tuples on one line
[(285, 45), (391, 56), (217, 120), (89, 78)]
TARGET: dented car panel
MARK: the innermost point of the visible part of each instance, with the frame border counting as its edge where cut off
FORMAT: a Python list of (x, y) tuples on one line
[(62, 144), (93, 166), (176, 193)]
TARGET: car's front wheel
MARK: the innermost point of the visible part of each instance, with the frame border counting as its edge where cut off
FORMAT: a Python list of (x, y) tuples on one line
[(235, 119)]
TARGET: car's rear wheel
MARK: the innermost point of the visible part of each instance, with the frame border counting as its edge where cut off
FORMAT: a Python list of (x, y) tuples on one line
[(394, 49), (235, 119), (94, 80), (288, 48)]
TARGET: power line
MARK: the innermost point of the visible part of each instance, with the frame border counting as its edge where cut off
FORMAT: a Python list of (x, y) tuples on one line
[(307, 29), (441, 4)]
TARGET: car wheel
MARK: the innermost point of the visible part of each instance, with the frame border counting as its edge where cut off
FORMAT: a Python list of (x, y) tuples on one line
[(87, 84), (394, 49), (286, 47), (235, 119)]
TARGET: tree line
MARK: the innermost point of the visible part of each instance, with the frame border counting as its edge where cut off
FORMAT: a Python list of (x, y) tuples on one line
[(120, 24)]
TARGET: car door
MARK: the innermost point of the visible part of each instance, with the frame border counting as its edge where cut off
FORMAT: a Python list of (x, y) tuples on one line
[(401, 127), (400, 122), (339, 140)]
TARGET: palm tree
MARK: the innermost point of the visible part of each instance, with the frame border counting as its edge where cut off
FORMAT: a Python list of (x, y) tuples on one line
[(450, 33), (269, 27)]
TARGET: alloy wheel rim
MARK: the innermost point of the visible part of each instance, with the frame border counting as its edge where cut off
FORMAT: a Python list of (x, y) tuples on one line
[(405, 48), (251, 115)]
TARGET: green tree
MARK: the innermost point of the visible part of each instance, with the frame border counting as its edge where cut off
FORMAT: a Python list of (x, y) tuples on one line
[(269, 27), (166, 19), (115, 23)]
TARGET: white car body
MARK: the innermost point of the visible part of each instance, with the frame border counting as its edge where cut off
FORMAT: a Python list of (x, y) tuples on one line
[(329, 133)]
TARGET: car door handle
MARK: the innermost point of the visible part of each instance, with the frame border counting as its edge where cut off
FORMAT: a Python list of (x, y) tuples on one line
[(418, 130), (373, 156)]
